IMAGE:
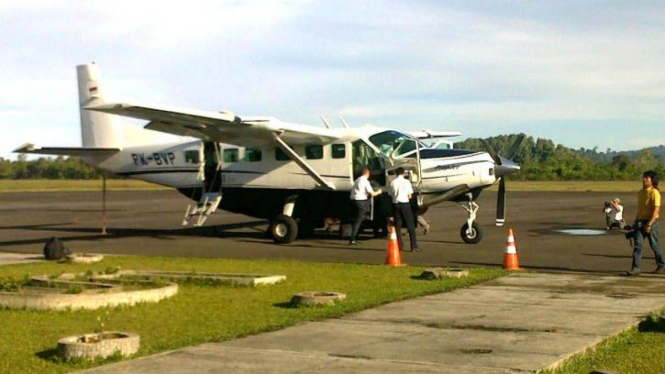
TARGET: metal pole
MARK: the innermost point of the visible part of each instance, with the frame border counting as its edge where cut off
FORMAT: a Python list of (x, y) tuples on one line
[(103, 204)]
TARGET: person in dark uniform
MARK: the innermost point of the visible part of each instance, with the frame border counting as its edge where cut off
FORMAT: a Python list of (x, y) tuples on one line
[(361, 193)]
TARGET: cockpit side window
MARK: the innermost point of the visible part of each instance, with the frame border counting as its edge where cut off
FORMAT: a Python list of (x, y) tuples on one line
[(405, 146), (388, 141), (363, 156)]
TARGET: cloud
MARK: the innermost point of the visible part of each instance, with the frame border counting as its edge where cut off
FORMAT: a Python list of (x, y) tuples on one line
[(481, 67), (143, 24)]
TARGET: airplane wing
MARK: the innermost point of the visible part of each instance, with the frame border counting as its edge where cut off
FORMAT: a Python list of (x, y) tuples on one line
[(65, 151), (428, 134), (223, 127)]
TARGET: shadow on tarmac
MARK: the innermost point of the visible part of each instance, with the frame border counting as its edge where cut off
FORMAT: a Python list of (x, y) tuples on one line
[(64, 210), (117, 233), (628, 256), (216, 231), (36, 227)]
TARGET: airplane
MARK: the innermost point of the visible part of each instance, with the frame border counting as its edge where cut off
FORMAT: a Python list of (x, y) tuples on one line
[(295, 176)]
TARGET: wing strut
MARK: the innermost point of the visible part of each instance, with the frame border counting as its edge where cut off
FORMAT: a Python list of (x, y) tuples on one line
[(304, 165), (448, 195)]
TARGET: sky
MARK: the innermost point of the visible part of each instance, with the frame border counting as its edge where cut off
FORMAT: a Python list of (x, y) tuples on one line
[(582, 73)]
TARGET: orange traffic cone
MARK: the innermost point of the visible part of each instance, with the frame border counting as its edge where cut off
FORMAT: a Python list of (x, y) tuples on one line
[(511, 260), (394, 257)]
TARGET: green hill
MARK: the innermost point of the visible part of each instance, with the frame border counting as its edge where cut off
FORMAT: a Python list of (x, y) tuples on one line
[(541, 159)]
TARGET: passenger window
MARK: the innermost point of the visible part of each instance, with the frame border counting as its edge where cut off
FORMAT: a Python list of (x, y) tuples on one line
[(338, 150), (280, 155), (314, 152), (252, 155), (231, 155), (192, 157)]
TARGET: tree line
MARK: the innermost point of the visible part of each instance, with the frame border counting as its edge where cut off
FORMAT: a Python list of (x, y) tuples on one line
[(541, 160), (48, 168)]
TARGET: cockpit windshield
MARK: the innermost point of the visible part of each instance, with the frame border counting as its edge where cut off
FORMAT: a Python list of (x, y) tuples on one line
[(394, 143)]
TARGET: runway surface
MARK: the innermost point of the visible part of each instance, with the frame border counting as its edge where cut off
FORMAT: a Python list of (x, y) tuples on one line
[(149, 223)]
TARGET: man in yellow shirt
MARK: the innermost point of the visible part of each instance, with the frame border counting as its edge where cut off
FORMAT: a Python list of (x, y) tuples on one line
[(646, 222)]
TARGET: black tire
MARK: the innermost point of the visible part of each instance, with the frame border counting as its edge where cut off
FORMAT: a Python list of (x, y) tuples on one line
[(283, 229), (476, 234)]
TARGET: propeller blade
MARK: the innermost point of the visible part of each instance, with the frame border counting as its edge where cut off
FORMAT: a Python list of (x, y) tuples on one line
[(491, 151), (516, 146), (501, 203)]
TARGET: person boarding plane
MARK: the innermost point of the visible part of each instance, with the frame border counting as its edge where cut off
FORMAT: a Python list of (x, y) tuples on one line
[(295, 176)]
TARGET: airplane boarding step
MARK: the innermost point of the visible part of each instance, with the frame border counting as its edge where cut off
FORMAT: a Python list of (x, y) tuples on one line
[(206, 206)]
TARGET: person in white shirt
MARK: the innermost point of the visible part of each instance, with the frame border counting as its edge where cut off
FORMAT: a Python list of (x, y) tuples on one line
[(614, 215), (360, 193), (401, 192)]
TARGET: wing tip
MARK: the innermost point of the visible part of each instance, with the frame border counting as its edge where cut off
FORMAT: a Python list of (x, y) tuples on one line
[(25, 148)]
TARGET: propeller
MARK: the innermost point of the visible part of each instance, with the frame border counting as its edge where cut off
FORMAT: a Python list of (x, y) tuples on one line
[(503, 167)]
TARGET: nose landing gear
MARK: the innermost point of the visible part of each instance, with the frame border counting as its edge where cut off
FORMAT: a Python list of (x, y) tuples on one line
[(471, 232)]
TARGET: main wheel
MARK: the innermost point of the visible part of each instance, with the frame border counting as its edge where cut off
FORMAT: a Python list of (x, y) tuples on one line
[(473, 237), (284, 229)]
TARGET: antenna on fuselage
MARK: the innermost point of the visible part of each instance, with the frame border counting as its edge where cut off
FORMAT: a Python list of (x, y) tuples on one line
[(325, 121), (344, 122)]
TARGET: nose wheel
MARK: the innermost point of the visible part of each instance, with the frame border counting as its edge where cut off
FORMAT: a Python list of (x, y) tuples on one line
[(471, 235), (471, 232)]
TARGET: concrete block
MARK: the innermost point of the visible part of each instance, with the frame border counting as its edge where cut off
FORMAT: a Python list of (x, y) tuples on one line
[(98, 345), (312, 298)]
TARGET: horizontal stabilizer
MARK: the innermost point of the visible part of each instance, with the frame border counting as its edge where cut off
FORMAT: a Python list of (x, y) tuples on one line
[(65, 151)]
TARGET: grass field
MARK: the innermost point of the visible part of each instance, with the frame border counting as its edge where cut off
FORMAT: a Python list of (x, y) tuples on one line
[(29, 185), (573, 186), (201, 314), (636, 351), (42, 185)]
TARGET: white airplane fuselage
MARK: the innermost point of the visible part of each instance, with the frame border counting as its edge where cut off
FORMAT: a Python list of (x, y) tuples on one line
[(295, 175), (250, 185)]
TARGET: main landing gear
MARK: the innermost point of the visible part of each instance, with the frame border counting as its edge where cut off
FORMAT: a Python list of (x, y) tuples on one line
[(283, 228), (471, 232)]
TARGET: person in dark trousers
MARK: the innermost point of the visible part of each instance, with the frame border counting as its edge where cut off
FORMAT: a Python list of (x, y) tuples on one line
[(361, 193), (646, 223), (401, 192), (383, 209)]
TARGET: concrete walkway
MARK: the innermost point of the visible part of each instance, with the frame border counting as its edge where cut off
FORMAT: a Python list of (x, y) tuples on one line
[(521, 323), (19, 258)]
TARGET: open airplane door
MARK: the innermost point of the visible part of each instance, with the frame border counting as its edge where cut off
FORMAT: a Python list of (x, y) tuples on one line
[(401, 157), (364, 156), (211, 183)]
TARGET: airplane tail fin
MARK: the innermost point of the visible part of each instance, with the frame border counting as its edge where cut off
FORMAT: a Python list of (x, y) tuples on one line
[(102, 134), (98, 130)]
